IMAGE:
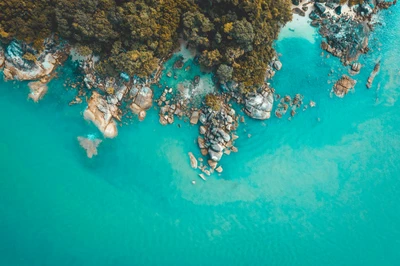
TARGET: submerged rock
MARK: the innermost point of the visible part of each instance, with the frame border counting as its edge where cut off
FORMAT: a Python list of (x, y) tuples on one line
[(101, 114), (343, 85), (38, 90), (90, 145), (373, 75), (259, 105)]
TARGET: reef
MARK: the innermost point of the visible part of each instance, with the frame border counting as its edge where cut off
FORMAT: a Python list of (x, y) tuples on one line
[(90, 145)]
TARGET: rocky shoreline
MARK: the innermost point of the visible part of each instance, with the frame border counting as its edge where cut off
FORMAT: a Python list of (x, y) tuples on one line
[(22, 62), (346, 30), (109, 99)]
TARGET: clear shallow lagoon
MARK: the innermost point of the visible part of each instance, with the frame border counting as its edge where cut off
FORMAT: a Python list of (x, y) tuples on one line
[(303, 192)]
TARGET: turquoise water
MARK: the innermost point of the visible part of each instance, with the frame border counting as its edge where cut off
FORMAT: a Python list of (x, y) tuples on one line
[(321, 189)]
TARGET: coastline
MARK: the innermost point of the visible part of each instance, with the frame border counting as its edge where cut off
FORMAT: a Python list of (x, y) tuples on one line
[(109, 94), (320, 189)]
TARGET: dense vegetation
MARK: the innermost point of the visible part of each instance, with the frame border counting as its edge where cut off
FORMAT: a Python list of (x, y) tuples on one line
[(233, 37)]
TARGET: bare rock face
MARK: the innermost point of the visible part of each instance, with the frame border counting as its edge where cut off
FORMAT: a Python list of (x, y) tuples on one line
[(193, 160), (259, 105), (17, 68), (142, 100), (38, 90), (101, 113), (343, 85), (277, 65), (373, 75), (90, 145), (194, 118)]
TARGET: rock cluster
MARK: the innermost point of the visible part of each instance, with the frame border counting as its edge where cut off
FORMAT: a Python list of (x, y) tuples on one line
[(39, 68), (217, 127), (346, 34), (346, 38), (171, 106), (373, 75), (102, 114), (258, 105), (343, 86), (110, 93), (142, 100), (38, 89), (18, 68), (288, 104)]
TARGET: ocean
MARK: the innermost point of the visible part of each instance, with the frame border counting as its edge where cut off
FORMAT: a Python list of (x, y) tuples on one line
[(319, 189)]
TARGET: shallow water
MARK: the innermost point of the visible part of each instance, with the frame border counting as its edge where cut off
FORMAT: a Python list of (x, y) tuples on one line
[(321, 189)]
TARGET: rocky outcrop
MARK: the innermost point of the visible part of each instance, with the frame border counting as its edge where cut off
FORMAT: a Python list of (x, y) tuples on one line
[(289, 104), (218, 126), (346, 30), (346, 38), (298, 11), (18, 68), (194, 118), (142, 100), (259, 105), (343, 86), (373, 75), (102, 114), (38, 89), (277, 65), (355, 68), (193, 160)]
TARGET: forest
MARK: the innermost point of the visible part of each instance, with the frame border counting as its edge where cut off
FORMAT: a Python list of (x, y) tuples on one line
[(233, 37)]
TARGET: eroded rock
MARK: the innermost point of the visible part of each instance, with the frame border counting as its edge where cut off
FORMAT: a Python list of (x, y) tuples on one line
[(343, 86), (101, 114), (38, 90), (259, 105)]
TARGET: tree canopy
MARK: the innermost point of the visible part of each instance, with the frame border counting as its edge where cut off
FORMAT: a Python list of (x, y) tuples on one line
[(232, 36)]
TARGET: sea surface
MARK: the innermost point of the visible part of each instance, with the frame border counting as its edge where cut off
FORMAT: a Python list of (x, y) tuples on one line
[(320, 189)]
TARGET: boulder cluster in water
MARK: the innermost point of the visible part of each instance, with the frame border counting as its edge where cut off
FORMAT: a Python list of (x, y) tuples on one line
[(346, 32), (346, 36), (216, 133), (109, 94)]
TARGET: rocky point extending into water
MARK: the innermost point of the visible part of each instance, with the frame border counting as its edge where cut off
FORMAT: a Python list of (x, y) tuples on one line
[(109, 99), (22, 62)]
